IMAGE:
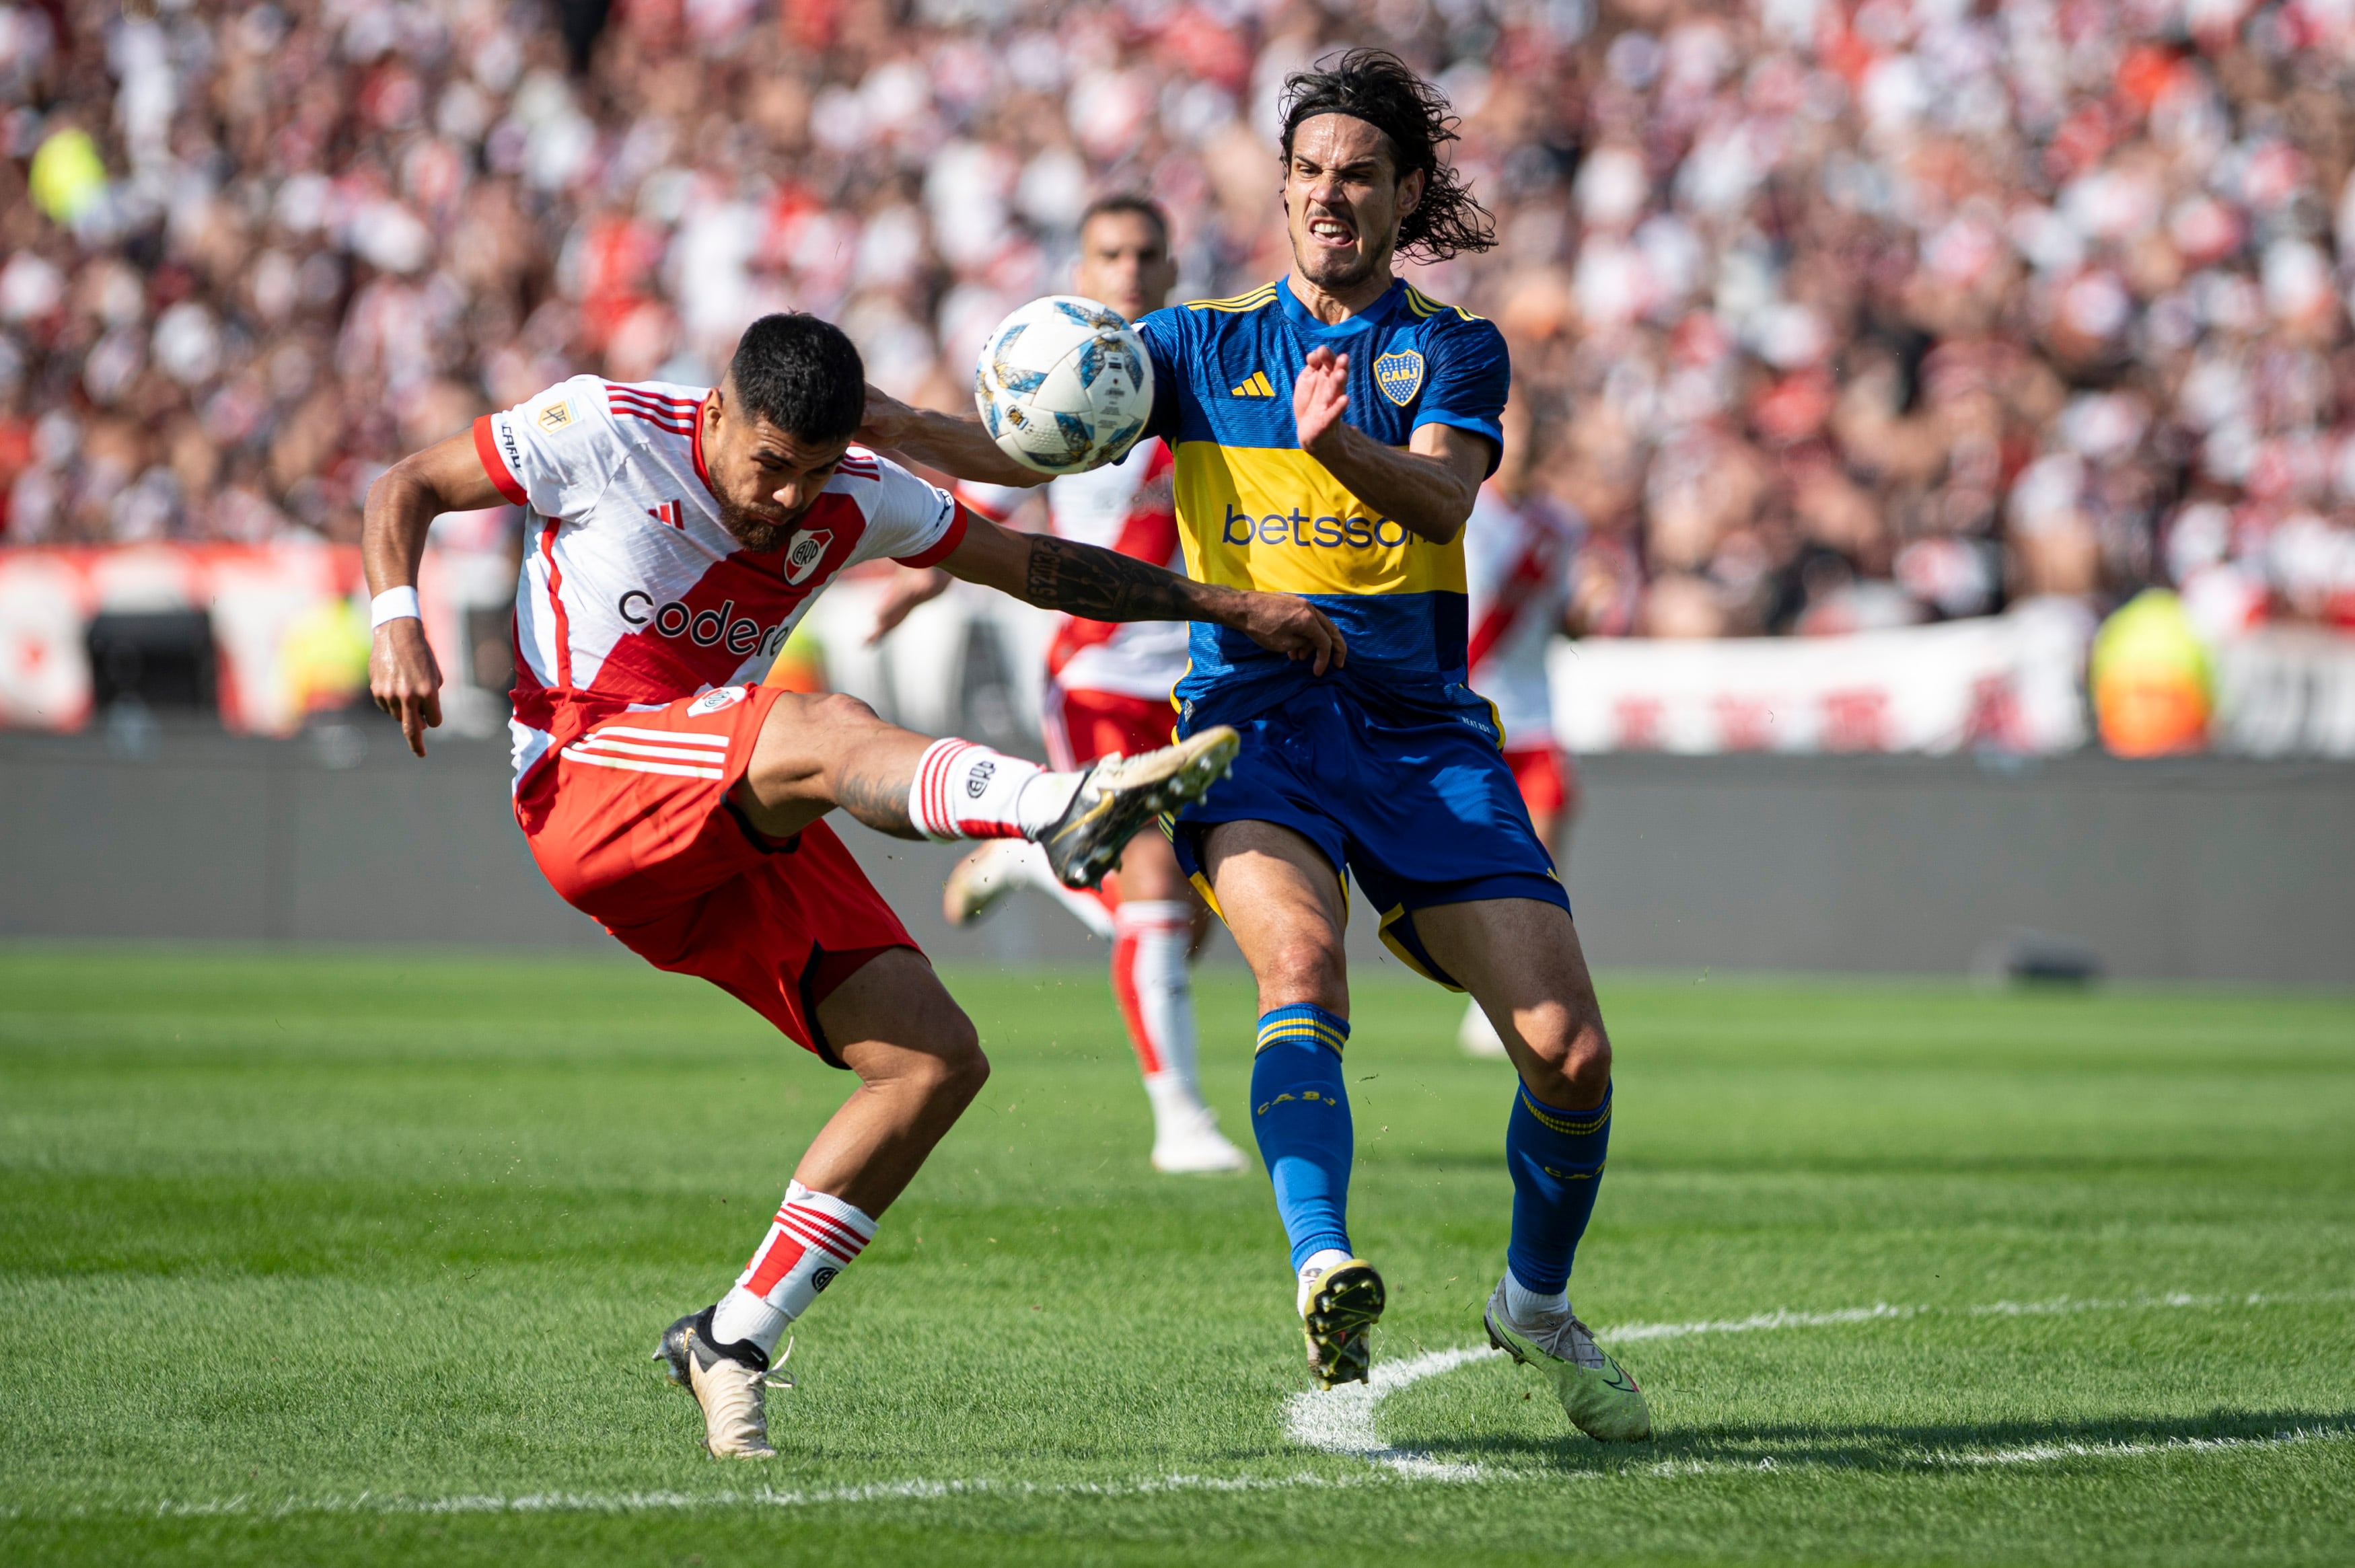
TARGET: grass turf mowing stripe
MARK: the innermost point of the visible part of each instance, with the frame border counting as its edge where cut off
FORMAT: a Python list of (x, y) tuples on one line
[(1341, 1421), (402, 1229), (936, 1491)]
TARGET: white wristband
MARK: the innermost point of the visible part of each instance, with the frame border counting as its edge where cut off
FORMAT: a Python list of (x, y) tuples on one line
[(393, 604)]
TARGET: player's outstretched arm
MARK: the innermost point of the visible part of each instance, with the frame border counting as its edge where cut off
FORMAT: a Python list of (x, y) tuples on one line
[(404, 677), (1429, 488), (957, 445), (1104, 584)]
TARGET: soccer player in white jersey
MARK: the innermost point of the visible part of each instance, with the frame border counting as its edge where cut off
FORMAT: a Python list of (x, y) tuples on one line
[(1518, 547), (677, 536), (1108, 693)]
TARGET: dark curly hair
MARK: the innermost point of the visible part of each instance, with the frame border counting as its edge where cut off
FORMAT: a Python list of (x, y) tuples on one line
[(1377, 87)]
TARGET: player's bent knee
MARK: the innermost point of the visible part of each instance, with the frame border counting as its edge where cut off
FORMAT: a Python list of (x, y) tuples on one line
[(963, 1067), (795, 739), (841, 708), (1303, 973), (1572, 1054)]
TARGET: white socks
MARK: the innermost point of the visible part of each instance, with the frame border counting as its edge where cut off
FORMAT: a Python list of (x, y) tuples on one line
[(1523, 1305), (813, 1238), (1156, 990), (967, 791), (1177, 1102)]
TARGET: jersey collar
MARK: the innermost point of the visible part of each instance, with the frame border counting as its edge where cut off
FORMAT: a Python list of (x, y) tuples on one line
[(1372, 316), (702, 472)]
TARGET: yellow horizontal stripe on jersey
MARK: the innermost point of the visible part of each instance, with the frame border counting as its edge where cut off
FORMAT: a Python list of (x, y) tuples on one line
[(1262, 295), (1423, 305), (1270, 517)]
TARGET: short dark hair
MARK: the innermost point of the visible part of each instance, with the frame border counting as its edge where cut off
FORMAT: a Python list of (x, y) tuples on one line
[(1377, 87), (1145, 208), (801, 375)]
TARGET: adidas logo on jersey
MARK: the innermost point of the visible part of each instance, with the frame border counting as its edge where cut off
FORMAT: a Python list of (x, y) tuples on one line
[(669, 515), (1259, 386)]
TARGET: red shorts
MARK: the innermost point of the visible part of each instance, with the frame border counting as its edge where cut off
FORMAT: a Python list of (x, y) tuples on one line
[(1083, 726), (1549, 781), (632, 824)]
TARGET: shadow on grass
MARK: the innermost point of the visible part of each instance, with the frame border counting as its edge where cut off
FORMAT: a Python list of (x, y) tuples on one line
[(1875, 1166), (1877, 1447)]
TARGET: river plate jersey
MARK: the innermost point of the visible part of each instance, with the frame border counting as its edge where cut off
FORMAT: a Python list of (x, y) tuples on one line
[(633, 591), (1256, 511)]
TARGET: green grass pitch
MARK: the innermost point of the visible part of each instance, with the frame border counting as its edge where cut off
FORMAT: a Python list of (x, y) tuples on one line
[(361, 1258)]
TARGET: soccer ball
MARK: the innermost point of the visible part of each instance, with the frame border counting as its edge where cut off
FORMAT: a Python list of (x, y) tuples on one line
[(1064, 384)]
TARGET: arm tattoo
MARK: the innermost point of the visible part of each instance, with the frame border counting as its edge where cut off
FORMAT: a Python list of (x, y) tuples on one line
[(1104, 584)]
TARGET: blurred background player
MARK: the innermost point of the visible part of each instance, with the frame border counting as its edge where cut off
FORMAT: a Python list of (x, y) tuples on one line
[(1518, 548), (1107, 692), (678, 534)]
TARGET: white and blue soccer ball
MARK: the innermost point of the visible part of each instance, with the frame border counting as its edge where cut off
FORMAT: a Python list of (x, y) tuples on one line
[(1064, 384)]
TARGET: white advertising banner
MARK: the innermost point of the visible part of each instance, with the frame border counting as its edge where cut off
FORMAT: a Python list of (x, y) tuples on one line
[(2286, 692), (289, 623), (2012, 682)]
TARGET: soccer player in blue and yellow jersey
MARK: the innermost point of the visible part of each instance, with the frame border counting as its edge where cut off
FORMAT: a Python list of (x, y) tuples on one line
[(1332, 430)]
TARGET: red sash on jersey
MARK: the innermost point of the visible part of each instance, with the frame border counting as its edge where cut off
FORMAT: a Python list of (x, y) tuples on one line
[(1540, 560)]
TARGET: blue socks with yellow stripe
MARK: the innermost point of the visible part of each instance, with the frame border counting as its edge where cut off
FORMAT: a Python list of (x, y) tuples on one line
[(1300, 1114), (1556, 1158)]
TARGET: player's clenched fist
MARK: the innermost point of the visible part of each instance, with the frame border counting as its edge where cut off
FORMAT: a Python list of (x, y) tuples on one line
[(405, 680), (1284, 623)]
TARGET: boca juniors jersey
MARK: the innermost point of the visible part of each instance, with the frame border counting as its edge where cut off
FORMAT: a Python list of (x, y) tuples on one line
[(1254, 511)]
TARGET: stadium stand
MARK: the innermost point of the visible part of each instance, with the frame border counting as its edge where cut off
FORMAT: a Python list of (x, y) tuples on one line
[(1839, 316)]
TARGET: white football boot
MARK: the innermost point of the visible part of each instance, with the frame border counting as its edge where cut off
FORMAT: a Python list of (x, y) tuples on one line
[(1185, 1136), (990, 871), (729, 1382)]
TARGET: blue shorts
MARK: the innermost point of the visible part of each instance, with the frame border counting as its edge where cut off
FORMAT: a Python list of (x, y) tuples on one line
[(1418, 804)]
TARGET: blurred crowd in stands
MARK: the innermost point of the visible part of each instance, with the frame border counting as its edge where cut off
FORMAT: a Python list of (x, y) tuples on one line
[(1831, 314)]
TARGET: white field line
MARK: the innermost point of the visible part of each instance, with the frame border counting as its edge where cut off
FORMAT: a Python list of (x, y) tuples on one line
[(1966, 1459), (1341, 1421), (1881, 1310), (245, 1506)]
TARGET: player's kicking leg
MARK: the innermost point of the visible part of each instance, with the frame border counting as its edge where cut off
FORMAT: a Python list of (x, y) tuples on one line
[(1521, 960), (919, 1063), (1282, 900), (817, 753)]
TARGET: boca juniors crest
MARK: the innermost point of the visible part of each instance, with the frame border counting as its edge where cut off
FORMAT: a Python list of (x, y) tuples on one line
[(1400, 375)]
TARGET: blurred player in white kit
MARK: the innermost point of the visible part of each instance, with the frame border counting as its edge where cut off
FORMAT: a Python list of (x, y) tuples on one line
[(1518, 547), (1108, 691)]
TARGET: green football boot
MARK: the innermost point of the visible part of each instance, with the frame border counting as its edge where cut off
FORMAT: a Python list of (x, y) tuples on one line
[(1338, 1317), (1596, 1392)]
